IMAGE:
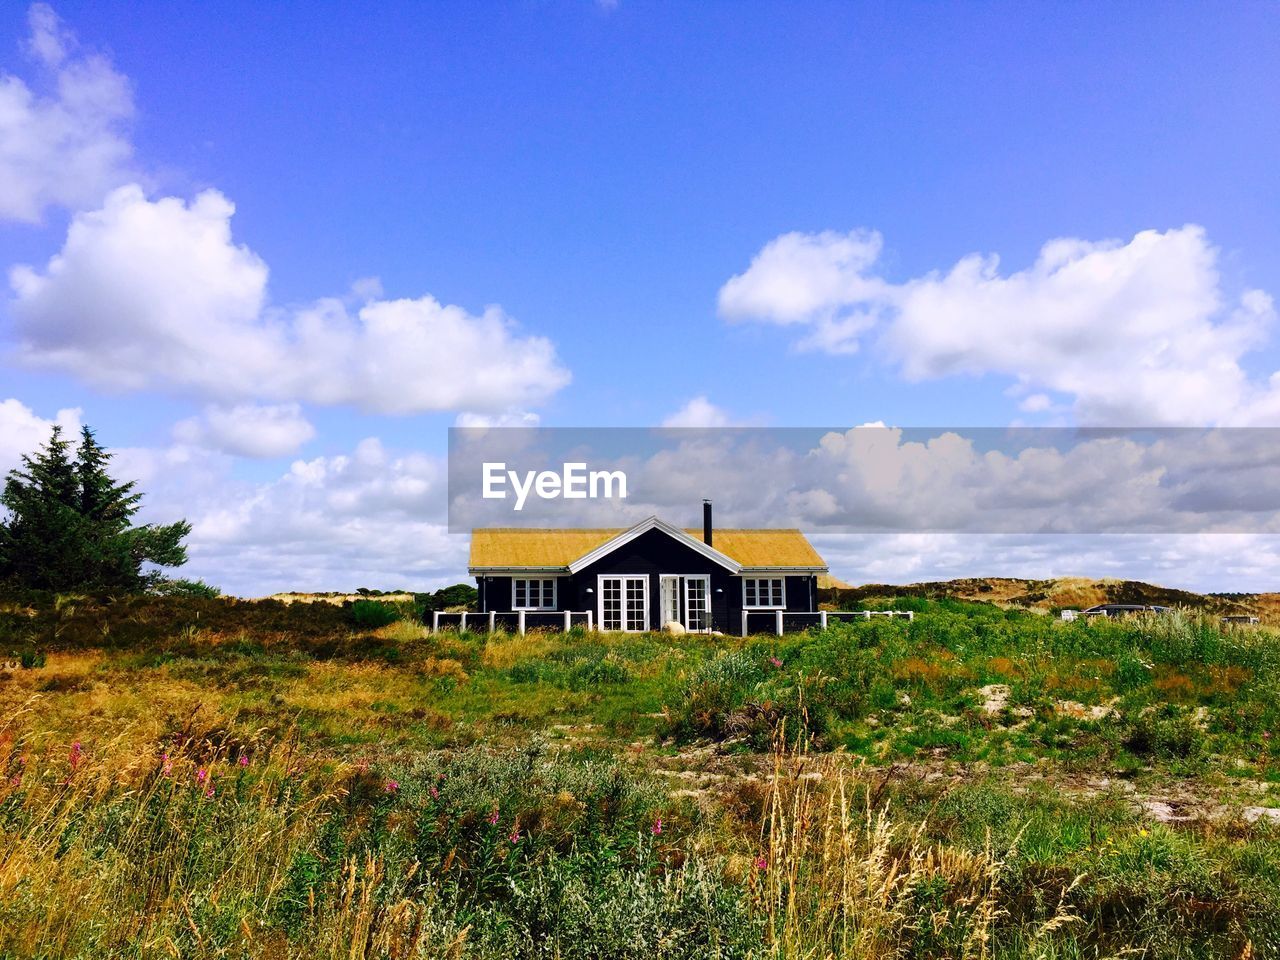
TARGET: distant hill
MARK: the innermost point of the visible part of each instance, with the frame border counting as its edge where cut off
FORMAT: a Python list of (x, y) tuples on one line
[(340, 598), (1052, 595)]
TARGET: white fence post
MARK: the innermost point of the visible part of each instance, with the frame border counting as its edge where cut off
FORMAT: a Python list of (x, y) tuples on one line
[(435, 621), (590, 623), (822, 618), (462, 622), (491, 621), (522, 623), (778, 621), (566, 621), (744, 622)]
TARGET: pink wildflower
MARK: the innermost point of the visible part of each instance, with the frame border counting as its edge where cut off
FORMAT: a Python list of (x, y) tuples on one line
[(493, 818), (435, 793), (208, 794), (391, 786), (762, 864), (202, 775), (15, 780), (166, 765), (657, 827), (515, 834), (74, 757), (776, 662), (244, 760)]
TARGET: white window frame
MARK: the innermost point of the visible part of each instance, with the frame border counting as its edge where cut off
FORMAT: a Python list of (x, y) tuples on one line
[(764, 606), (555, 593)]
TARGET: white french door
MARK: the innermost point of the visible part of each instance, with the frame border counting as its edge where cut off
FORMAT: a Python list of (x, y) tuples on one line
[(697, 603), (670, 598), (687, 600), (624, 603)]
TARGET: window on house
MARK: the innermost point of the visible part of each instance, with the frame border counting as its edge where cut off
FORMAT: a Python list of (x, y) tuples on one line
[(533, 594), (763, 592)]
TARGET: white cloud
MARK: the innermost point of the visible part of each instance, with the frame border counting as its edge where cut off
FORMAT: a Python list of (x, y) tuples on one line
[(507, 418), (698, 412), (1136, 333), (22, 431), (372, 517), (248, 430), (156, 294), (69, 145)]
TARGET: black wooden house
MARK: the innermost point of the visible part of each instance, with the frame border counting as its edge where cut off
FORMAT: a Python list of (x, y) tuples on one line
[(643, 577)]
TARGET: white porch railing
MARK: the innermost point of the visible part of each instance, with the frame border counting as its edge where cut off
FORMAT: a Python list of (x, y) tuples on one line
[(514, 621), (777, 621)]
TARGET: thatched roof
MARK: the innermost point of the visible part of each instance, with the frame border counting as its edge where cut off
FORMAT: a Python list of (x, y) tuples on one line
[(551, 549)]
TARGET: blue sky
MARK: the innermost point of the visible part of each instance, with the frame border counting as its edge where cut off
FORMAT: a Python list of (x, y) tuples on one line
[(601, 172)]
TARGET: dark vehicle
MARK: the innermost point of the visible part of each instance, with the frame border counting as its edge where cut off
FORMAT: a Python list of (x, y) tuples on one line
[(1122, 610)]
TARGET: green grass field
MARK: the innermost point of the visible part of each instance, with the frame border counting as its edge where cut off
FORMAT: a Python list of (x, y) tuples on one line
[(212, 778)]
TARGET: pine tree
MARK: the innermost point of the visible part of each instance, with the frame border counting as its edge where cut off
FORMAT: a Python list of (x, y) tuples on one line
[(69, 524)]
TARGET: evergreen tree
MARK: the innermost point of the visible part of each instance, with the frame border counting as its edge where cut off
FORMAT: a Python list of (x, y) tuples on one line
[(69, 524)]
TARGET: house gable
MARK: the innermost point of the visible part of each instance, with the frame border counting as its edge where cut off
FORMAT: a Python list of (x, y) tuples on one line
[(661, 526)]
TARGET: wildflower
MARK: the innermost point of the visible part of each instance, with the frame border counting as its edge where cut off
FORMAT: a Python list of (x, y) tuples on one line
[(202, 775), (1266, 734), (166, 765), (657, 827), (391, 786), (435, 793), (762, 864), (1144, 832), (493, 818), (208, 794), (244, 760), (776, 662), (515, 834), (15, 780), (75, 757)]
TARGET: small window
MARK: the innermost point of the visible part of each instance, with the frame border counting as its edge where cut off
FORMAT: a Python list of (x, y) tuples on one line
[(533, 594), (763, 592)]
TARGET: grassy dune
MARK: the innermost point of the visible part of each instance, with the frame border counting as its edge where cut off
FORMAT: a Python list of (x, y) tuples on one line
[(220, 778)]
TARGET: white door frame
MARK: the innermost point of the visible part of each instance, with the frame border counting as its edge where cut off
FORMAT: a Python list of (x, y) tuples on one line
[(663, 579), (623, 577)]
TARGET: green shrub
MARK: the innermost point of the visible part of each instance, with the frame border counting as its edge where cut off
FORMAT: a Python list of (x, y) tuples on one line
[(1165, 732), (371, 614)]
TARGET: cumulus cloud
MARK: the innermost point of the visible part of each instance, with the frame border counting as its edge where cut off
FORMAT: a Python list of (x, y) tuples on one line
[(698, 412), (1137, 332), (66, 142), (157, 294), (22, 431), (248, 430), (371, 517)]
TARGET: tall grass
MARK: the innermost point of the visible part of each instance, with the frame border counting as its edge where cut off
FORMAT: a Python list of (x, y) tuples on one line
[(840, 876)]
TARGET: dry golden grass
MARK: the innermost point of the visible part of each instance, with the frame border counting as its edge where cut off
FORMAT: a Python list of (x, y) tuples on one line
[(503, 650), (839, 877)]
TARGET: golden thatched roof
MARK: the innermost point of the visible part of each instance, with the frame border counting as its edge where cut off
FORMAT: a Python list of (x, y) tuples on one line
[(542, 548)]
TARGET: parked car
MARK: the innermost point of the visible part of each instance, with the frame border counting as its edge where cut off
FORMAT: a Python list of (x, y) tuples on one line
[(1240, 618), (1122, 610)]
